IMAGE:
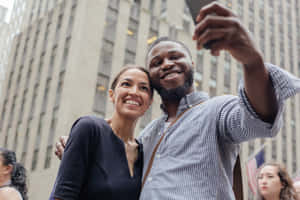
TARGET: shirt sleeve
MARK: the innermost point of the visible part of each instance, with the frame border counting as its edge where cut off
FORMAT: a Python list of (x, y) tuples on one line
[(75, 162), (238, 120)]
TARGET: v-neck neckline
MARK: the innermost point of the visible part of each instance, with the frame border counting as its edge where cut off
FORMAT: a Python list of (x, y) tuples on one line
[(124, 153)]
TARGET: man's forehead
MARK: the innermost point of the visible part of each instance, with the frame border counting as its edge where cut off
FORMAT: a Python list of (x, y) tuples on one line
[(166, 46)]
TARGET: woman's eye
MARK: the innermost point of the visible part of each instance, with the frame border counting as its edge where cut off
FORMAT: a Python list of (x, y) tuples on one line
[(145, 88), (125, 84)]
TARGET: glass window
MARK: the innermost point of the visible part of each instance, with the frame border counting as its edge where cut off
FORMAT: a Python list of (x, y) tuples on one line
[(101, 94), (106, 57), (111, 24)]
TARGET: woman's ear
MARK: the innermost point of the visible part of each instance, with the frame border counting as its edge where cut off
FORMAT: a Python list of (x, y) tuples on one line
[(8, 169), (111, 95)]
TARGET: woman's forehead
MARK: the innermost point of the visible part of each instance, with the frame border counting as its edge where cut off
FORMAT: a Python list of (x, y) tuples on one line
[(269, 169), (134, 74)]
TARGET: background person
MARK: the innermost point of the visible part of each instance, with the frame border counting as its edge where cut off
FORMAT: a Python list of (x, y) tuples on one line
[(13, 184), (102, 159), (274, 183), (297, 188)]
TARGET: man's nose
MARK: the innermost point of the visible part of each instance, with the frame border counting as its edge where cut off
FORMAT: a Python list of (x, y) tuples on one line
[(167, 64)]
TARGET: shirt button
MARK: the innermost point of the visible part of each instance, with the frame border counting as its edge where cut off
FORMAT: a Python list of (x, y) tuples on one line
[(149, 178), (158, 155)]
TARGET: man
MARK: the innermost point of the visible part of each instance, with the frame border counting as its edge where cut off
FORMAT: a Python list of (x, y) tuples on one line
[(195, 142)]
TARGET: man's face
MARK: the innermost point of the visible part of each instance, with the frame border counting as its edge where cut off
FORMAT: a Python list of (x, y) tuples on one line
[(170, 68)]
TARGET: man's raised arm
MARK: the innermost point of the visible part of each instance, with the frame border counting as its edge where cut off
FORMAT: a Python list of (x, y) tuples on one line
[(218, 23)]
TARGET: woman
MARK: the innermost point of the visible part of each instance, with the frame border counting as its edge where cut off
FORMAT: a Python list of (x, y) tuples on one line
[(274, 183), (12, 177), (102, 159)]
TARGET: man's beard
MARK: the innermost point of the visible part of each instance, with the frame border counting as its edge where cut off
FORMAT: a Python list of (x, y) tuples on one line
[(175, 94)]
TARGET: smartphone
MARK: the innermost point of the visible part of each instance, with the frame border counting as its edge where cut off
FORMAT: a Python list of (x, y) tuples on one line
[(194, 7)]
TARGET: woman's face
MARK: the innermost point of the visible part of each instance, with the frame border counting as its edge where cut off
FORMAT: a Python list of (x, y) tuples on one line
[(3, 168), (132, 95), (269, 182)]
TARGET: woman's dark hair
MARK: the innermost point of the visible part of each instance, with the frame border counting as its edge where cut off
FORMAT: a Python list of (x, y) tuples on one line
[(128, 67), (288, 191), (18, 173)]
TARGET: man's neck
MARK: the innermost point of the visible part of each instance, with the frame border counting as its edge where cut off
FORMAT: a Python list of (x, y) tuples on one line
[(171, 109)]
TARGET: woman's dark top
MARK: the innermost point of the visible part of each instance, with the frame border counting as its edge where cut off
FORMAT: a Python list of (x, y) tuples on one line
[(94, 165)]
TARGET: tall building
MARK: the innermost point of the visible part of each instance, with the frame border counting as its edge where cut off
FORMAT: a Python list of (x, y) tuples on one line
[(3, 12), (62, 61), (9, 27)]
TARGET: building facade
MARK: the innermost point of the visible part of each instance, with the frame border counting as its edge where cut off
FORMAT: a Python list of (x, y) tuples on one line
[(62, 61), (10, 25)]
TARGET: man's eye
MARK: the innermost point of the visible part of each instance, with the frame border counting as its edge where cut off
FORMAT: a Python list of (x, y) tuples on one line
[(174, 57), (156, 63)]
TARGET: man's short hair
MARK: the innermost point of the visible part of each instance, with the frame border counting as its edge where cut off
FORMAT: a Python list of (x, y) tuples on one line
[(166, 39)]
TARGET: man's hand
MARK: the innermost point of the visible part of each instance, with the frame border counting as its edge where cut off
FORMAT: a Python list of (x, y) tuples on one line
[(60, 146), (216, 22)]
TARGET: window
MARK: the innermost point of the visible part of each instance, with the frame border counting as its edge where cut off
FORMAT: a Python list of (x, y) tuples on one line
[(111, 24), (199, 64), (132, 33), (59, 89), (173, 32), (151, 6), (213, 68), (101, 94), (71, 21), (114, 4), (106, 57), (212, 87), (129, 57), (65, 55), (49, 150), (163, 8)]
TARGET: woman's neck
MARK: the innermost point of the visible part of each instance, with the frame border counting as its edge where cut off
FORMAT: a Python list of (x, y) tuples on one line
[(123, 128), (5, 182), (272, 197)]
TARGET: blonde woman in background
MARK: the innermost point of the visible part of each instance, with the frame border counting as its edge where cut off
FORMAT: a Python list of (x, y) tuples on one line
[(274, 183)]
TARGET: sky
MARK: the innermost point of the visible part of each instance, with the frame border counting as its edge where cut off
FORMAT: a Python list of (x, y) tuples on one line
[(9, 5)]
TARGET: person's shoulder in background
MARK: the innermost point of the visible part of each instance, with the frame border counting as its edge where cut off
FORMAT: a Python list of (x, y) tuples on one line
[(9, 193)]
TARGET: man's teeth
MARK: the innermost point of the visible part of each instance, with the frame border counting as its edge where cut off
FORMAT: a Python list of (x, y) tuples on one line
[(171, 75), (132, 102)]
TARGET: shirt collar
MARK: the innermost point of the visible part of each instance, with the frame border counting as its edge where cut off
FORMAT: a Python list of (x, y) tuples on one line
[(188, 101)]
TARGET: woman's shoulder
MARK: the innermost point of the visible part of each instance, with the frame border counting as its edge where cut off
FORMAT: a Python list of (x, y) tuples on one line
[(91, 121), (89, 126), (10, 193)]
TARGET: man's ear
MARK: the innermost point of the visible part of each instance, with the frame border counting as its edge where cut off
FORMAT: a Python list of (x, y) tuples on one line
[(111, 95)]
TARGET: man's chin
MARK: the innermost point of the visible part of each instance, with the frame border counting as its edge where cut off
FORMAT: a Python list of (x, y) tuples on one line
[(172, 94)]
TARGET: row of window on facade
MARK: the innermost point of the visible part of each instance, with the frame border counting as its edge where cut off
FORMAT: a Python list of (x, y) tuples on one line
[(35, 92)]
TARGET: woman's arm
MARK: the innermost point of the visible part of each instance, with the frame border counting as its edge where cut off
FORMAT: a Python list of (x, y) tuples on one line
[(75, 161)]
